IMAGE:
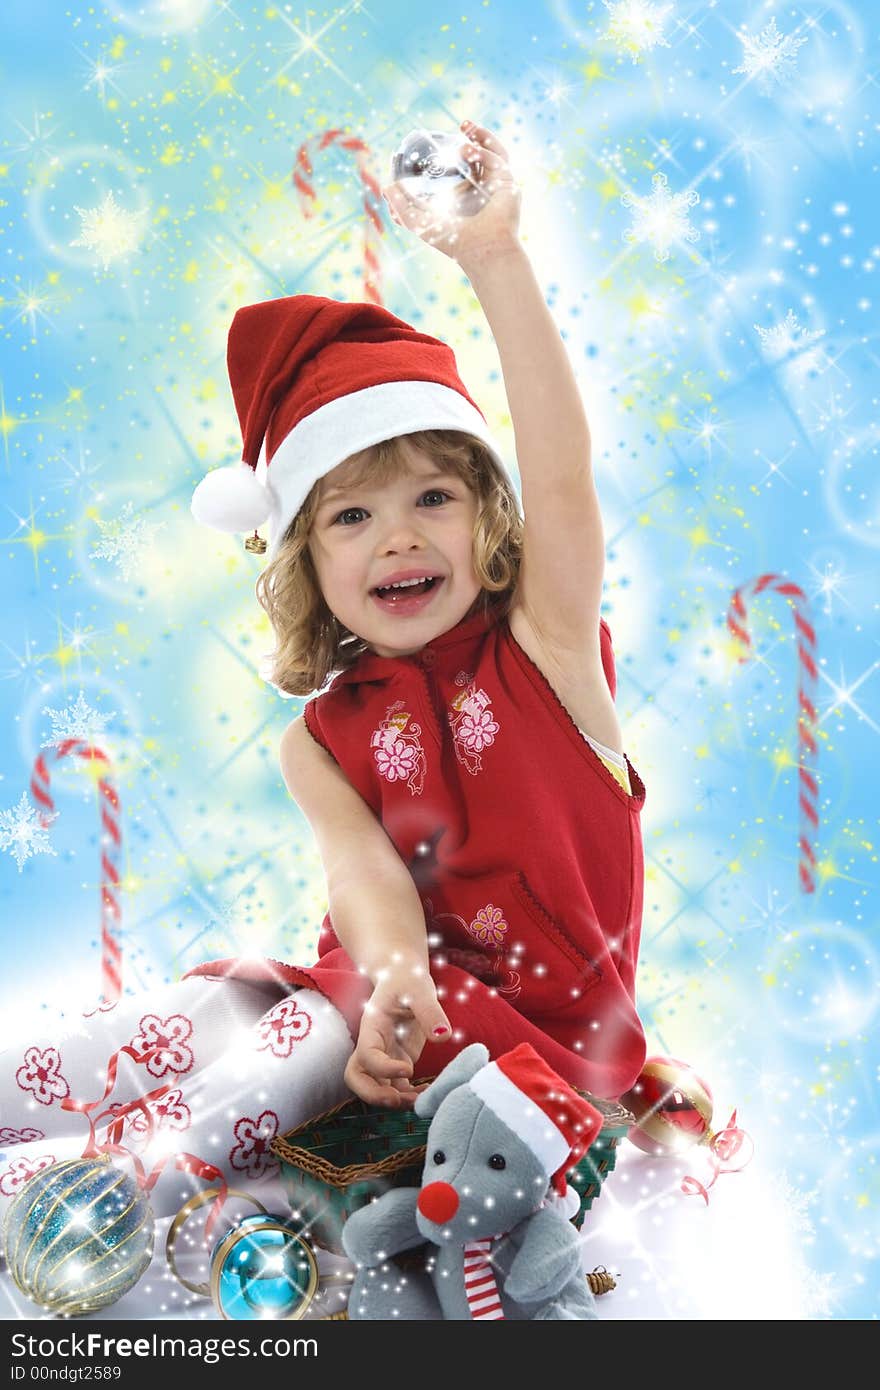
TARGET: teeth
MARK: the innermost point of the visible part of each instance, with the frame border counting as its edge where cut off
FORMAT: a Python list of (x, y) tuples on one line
[(403, 583)]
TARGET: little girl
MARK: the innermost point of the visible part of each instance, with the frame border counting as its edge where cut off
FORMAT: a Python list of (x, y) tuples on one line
[(462, 772)]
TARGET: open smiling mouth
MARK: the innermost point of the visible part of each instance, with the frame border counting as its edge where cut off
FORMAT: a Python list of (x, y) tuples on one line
[(409, 598)]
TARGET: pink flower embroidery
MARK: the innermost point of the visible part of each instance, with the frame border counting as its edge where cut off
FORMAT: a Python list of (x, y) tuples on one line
[(489, 926), (20, 1171), (251, 1154), (19, 1136), (477, 730), (472, 723), (41, 1075), (397, 762), (170, 1036), (283, 1026), (398, 748)]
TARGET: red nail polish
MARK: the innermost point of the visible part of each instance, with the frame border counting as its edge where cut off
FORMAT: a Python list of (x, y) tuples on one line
[(439, 1031)]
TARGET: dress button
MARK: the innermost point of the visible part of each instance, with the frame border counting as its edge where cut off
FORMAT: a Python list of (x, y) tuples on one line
[(428, 658)]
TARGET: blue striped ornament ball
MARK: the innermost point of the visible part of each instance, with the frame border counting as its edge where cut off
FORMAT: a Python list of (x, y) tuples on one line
[(78, 1236)]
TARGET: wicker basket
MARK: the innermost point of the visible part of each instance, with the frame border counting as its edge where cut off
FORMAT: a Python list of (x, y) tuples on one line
[(343, 1159)]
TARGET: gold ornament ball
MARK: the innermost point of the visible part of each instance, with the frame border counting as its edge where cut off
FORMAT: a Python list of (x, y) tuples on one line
[(672, 1106)]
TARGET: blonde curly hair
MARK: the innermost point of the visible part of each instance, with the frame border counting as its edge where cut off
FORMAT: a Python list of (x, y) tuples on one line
[(311, 643)]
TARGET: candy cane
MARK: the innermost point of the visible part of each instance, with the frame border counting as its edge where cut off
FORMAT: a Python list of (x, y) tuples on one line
[(111, 848), (373, 228), (808, 791)]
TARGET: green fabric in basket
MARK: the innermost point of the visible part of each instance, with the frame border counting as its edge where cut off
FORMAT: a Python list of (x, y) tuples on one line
[(323, 1210)]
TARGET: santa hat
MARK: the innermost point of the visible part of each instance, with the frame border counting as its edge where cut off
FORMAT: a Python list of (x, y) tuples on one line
[(315, 380), (547, 1114)]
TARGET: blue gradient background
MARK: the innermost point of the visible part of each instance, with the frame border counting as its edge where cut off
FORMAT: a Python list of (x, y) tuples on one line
[(716, 461)]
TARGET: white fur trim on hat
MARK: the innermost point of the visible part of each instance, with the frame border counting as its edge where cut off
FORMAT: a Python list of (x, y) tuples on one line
[(527, 1120), (353, 422)]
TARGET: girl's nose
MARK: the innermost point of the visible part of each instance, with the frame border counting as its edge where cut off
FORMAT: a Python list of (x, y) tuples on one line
[(403, 535)]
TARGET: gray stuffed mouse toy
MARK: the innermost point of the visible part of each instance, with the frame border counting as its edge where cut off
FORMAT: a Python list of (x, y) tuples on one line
[(493, 1206)]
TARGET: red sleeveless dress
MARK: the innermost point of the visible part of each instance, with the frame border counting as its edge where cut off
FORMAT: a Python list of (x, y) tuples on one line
[(526, 852)]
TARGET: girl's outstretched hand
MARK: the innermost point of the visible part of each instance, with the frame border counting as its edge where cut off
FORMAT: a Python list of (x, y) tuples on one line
[(480, 217), (402, 1013)]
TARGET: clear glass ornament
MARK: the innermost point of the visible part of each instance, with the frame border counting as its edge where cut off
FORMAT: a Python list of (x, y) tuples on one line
[(430, 163)]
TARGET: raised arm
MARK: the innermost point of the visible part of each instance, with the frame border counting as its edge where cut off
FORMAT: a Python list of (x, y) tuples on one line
[(560, 586), (377, 915)]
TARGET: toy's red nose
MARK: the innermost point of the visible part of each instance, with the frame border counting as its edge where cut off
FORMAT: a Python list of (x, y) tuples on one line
[(438, 1201)]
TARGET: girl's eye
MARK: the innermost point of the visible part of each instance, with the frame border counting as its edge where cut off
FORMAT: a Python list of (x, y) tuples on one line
[(348, 511), (351, 517)]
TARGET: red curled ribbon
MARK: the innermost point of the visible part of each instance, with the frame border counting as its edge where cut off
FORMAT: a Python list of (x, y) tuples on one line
[(188, 1163), (725, 1150), (84, 1107)]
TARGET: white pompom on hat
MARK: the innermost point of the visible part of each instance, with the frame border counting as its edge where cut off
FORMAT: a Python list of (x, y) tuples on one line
[(314, 381), (231, 499)]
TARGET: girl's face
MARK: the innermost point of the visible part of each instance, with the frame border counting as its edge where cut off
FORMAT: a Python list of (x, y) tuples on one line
[(363, 539)]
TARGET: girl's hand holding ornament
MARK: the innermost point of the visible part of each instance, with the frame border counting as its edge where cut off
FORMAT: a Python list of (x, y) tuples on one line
[(477, 218)]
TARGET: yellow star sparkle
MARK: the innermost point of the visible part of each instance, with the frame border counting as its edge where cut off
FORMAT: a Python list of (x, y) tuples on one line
[(593, 72), (223, 82), (640, 304), (32, 536), (699, 536), (63, 655)]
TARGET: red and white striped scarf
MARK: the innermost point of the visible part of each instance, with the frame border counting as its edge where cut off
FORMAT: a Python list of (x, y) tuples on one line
[(480, 1287)]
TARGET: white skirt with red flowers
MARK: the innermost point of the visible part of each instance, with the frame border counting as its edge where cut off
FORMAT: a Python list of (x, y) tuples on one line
[(224, 1067)]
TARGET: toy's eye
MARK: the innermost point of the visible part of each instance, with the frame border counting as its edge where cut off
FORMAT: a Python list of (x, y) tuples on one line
[(497, 1161), (439, 1156)]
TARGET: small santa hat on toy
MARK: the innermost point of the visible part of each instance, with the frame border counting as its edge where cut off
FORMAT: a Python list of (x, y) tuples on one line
[(314, 381), (545, 1112)]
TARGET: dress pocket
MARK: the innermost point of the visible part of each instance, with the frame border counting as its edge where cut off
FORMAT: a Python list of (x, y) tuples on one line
[(521, 950)]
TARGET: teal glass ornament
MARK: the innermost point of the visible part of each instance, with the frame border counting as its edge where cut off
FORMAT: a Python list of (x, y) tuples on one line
[(78, 1236), (263, 1269)]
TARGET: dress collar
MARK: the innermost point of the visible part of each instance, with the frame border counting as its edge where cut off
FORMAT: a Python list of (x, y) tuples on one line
[(370, 667)]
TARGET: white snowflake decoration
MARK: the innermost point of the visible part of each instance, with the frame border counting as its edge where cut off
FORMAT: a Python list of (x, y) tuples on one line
[(23, 831), (821, 1295), (225, 917), (788, 338), (125, 541), (109, 230), (796, 1203), (769, 55), (78, 720), (662, 218), (636, 25)]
